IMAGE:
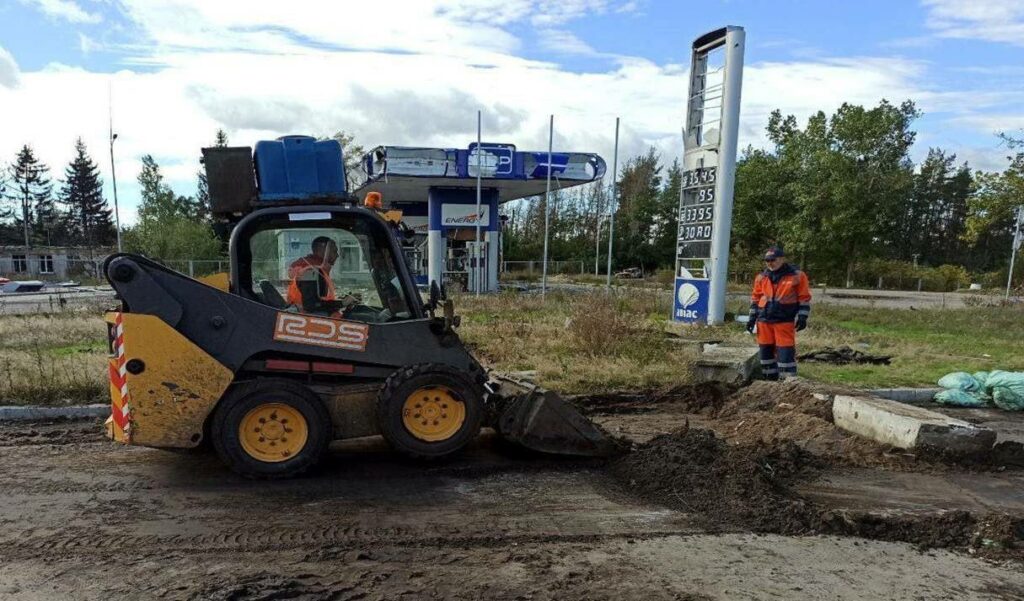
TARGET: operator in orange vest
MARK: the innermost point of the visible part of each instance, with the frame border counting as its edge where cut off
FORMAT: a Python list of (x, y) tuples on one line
[(779, 306), (311, 276)]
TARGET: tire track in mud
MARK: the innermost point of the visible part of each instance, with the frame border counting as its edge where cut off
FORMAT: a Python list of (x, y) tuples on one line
[(23, 546)]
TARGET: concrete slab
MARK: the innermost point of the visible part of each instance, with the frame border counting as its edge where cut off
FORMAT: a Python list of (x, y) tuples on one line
[(908, 427), (727, 363), (914, 396)]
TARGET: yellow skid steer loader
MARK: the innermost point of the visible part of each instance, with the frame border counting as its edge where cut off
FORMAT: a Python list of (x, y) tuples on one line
[(317, 334)]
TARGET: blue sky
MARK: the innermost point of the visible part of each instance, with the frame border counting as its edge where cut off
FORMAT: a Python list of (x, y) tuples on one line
[(415, 72)]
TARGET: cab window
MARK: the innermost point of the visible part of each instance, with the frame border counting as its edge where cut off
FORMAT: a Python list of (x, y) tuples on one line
[(332, 271)]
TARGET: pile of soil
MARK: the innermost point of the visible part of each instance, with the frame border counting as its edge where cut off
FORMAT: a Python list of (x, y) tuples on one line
[(788, 396), (796, 411), (747, 486), (844, 355), (751, 486)]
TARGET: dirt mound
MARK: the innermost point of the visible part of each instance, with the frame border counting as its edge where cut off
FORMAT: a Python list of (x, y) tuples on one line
[(766, 412), (791, 396), (698, 472), (750, 486)]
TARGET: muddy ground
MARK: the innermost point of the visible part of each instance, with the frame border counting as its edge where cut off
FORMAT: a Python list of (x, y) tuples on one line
[(694, 514)]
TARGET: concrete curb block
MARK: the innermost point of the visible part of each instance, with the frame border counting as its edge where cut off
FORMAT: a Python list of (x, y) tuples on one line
[(733, 364), (34, 412), (914, 396), (908, 427)]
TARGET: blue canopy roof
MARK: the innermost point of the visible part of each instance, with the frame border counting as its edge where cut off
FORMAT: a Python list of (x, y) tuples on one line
[(403, 173)]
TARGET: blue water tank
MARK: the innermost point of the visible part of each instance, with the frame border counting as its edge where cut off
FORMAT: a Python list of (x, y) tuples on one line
[(295, 167)]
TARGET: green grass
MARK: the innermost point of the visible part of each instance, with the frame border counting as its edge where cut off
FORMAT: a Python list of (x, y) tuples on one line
[(925, 344), (53, 359), (579, 343)]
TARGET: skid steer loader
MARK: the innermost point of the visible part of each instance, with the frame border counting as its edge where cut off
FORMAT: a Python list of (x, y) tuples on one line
[(270, 366)]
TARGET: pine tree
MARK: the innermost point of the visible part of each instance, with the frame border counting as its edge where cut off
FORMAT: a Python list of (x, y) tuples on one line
[(30, 191), (87, 217)]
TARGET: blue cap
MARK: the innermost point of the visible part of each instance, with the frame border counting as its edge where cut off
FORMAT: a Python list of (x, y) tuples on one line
[(774, 252)]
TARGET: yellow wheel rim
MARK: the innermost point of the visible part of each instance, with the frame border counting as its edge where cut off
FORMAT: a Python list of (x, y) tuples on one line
[(433, 413), (273, 432)]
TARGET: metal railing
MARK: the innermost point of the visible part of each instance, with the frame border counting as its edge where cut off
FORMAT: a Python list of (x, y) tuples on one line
[(530, 268)]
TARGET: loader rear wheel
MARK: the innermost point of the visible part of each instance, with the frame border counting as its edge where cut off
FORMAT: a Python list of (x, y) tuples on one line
[(429, 411), (270, 429)]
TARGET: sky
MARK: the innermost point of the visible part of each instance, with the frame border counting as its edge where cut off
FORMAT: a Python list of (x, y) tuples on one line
[(415, 72)]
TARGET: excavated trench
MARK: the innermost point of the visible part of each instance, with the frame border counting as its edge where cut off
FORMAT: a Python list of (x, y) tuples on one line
[(741, 457)]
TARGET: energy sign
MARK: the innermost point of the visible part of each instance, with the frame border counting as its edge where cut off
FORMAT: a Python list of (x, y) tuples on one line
[(709, 164)]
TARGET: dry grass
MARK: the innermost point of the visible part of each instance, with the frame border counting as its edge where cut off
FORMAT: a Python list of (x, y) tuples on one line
[(576, 343), (53, 359)]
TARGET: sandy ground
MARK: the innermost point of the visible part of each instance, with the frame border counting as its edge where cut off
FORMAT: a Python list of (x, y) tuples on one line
[(83, 518)]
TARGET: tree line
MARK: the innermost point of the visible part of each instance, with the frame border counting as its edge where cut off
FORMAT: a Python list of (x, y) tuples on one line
[(33, 213), (840, 192)]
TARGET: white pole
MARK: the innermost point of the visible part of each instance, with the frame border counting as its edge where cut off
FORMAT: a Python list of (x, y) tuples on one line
[(722, 218), (113, 173), (1016, 245), (547, 211), (597, 241), (479, 170), (611, 204)]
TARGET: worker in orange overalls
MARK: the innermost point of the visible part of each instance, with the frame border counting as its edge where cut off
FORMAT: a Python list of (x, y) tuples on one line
[(312, 274), (781, 297)]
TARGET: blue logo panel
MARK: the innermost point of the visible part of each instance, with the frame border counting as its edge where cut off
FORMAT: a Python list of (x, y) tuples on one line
[(690, 304), (496, 160)]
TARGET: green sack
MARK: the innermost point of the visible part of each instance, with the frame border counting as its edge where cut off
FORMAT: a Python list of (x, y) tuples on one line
[(982, 378), (960, 398), (961, 380), (1007, 389)]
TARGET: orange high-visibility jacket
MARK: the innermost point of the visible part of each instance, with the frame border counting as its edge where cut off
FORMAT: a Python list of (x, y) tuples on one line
[(312, 268), (781, 295)]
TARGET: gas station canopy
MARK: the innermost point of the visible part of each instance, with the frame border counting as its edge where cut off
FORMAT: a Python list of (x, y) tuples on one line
[(457, 231), (404, 174)]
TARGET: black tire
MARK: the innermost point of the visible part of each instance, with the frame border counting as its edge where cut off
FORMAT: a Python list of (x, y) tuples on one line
[(224, 429), (403, 383)]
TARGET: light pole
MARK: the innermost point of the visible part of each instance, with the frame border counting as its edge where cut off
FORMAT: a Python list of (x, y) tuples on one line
[(597, 242), (1017, 222), (113, 180), (611, 206), (547, 209), (113, 173)]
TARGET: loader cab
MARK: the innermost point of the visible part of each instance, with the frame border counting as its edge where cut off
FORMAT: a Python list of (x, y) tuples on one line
[(338, 261)]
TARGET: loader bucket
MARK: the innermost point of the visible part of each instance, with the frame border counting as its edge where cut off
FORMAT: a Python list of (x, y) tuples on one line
[(542, 421)]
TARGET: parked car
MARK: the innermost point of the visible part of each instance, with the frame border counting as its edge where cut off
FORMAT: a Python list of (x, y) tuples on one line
[(633, 273)]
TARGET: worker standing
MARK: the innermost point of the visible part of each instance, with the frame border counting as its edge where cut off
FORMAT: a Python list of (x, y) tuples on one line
[(779, 306)]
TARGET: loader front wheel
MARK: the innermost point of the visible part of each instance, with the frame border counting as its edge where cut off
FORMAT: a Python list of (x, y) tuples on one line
[(270, 429), (429, 411)]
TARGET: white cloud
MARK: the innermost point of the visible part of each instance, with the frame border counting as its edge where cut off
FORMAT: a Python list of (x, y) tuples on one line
[(9, 72), (991, 123), (67, 10), (86, 44), (393, 73), (565, 42), (991, 20)]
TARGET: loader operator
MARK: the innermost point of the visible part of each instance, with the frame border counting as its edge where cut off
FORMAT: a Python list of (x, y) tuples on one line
[(781, 295), (311, 289)]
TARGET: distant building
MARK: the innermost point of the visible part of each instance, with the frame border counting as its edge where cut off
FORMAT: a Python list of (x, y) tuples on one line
[(55, 263)]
